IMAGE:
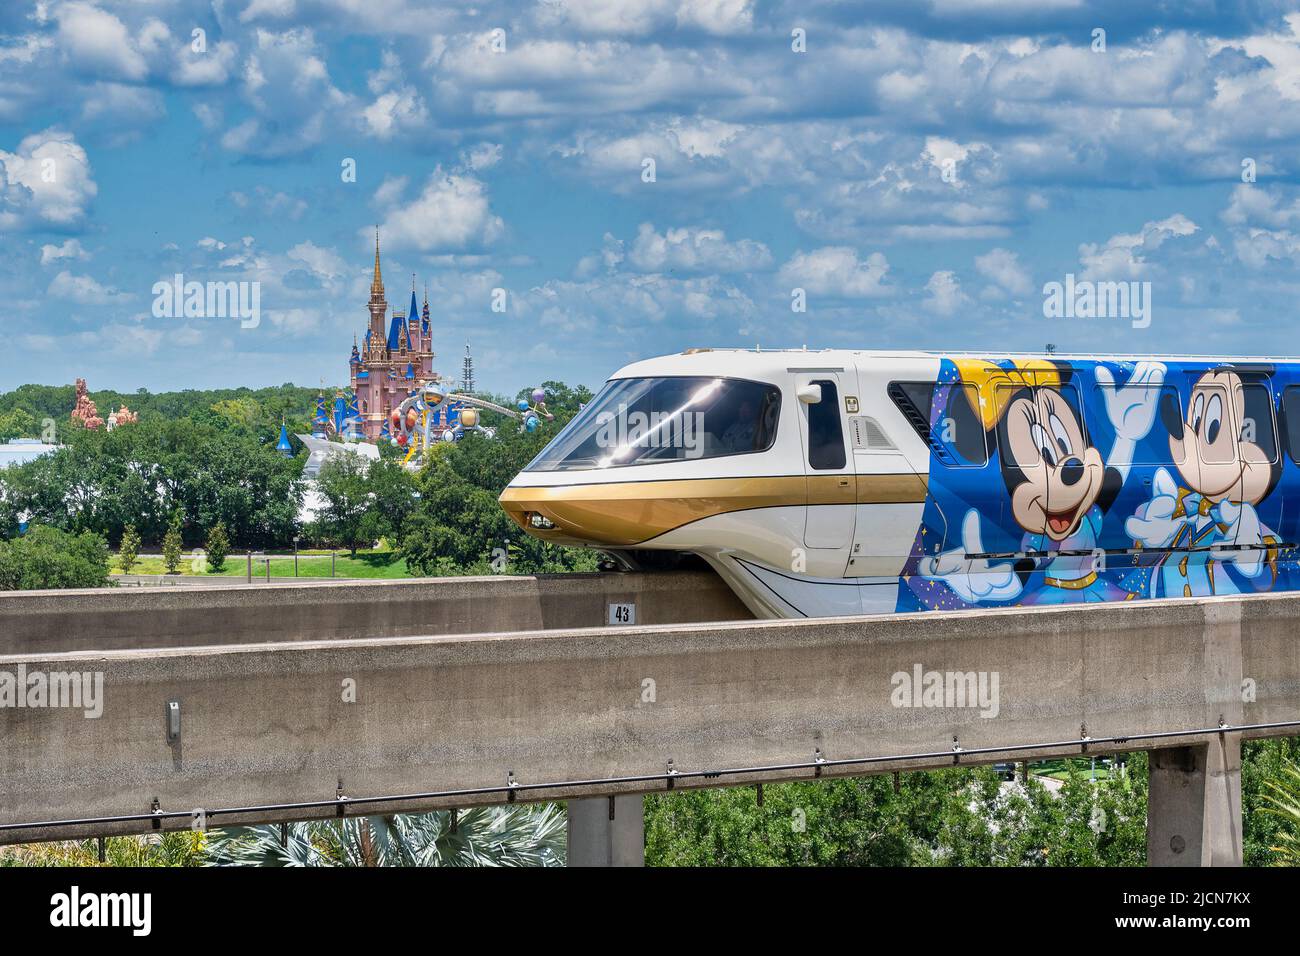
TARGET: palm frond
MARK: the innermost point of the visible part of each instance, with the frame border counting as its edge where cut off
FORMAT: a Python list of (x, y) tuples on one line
[(515, 835), (1284, 795)]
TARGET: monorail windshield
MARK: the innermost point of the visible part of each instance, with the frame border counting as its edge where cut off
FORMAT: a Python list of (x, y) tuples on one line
[(637, 421)]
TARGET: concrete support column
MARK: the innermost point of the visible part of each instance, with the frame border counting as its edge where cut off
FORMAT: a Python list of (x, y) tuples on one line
[(606, 831), (1194, 804)]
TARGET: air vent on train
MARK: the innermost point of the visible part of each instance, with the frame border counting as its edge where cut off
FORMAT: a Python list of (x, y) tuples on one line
[(918, 420), (868, 435)]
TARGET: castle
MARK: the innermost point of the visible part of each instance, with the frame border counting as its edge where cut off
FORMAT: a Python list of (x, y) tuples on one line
[(392, 362)]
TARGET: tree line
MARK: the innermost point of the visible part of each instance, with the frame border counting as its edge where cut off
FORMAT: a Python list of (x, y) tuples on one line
[(171, 480)]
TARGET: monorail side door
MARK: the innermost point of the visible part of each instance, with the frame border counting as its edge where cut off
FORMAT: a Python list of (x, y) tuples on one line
[(832, 490)]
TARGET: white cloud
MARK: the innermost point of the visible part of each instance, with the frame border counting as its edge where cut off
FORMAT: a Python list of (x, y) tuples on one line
[(1253, 205), (122, 104), (720, 17), (125, 338), (1124, 256), (287, 83), (390, 190), (294, 321), (639, 17), (270, 9), (835, 271), (95, 40), (1171, 69), (451, 214), (687, 156), (620, 17), (609, 258), (324, 262), (945, 153), (945, 294), (631, 307), (861, 194), (84, 290), (397, 106), (209, 116), (270, 203), (482, 156), (47, 181), (1257, 247), (213, 67), (393, 112), (69, 249), (1003, 268), (694, 250)]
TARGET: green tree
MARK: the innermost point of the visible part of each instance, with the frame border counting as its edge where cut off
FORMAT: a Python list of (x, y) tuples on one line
[(184, 848), (140, 474), (457, 525), (172, 545), (344, 486), (841, 822), (218, 547), (954, 817), (1266, 766), (49, 558), (1283, 797), (18, 423), (253, 413), (392, 499), (518, 835), (128, 549), (244, 412)]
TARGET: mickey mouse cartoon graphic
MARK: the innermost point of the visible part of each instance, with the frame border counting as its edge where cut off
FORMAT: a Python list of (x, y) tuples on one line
[(1224, 450), (1058, 485)]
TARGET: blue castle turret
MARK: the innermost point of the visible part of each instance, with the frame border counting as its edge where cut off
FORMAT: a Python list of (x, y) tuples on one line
[(283, 446)]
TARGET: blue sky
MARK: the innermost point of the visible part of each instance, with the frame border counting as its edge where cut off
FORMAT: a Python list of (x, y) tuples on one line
[(502, 147)]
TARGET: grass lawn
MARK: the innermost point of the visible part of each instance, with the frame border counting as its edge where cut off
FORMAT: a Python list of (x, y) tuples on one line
[(1059, 769), (367, 564)]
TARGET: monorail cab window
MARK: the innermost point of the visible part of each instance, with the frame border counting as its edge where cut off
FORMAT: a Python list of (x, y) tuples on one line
[(640, 421), (957, 437), (1291, 420), (825, 430), (1257, 426)]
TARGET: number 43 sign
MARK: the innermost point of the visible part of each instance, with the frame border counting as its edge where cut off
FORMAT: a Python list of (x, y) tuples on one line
[(622, 614)]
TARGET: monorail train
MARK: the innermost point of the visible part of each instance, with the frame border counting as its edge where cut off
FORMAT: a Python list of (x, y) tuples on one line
[(846, 482)]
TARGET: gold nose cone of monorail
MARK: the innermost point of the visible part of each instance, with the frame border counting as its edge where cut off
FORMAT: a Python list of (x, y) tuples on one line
[(621, 514)]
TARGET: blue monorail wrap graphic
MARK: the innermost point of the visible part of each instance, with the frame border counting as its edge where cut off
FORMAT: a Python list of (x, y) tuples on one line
[(1055, 482)]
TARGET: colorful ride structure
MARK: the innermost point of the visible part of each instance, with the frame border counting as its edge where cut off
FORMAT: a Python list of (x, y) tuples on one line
[(532, 412), (432, 414)]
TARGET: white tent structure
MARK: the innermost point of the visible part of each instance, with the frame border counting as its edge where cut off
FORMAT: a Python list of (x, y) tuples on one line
[(321, 450)]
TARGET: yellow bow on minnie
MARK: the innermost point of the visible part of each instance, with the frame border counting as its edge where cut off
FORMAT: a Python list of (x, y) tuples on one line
[(994, 385)]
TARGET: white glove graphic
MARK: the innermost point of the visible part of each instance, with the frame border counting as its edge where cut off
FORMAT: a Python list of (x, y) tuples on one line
[(973, 579), (1154, 525), (1132, 409)]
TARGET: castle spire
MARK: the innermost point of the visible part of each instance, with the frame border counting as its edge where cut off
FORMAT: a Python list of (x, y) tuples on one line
[(377, 283)]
